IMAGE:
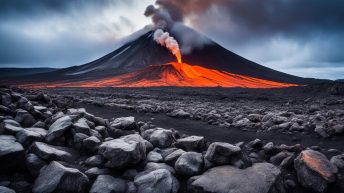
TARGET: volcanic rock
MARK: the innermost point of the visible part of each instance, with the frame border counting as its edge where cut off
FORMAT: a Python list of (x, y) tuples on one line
[(34, 164), (58, 128), (223, 153), (150, 166), (4, 189), (172, 157), (154, 156), (12, 155), (191, 143), (123, 152), (81, 126), (6, 99), (223, 179), (25, 118), (157, 181), (94, 172), (314, 170), (58, 178), (96, 160), (189, 164), (108, 184), (50, 152), (29, 135), (125, 123), (91, 143), (159, 137), (10, 127)]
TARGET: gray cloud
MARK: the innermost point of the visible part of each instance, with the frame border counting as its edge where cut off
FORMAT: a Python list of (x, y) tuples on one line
[(287, 35)]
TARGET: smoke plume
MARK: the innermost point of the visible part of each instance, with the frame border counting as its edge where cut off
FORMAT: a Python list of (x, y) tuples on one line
[(164, 39), (169, 16)]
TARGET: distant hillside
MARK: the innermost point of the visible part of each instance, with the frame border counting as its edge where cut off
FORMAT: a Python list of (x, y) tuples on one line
[(14, 72)]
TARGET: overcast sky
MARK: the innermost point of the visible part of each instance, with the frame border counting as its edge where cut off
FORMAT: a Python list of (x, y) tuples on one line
[(301, 37)]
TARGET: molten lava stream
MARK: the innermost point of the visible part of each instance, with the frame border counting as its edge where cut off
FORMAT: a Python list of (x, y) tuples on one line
[(173, 74)]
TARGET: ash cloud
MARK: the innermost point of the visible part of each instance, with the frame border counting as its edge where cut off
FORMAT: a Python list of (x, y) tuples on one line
[(284, 34)]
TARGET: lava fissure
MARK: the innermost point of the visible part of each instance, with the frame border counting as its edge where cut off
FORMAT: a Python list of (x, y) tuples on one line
[(174, 74)]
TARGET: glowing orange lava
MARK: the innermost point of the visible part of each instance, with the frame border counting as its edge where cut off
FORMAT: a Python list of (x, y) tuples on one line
[(172, 74)]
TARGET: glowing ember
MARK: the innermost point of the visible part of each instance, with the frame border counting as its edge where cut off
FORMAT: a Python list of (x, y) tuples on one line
[(173, 74)]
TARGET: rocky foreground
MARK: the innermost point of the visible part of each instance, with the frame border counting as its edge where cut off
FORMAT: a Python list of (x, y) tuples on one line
[(47, 147)]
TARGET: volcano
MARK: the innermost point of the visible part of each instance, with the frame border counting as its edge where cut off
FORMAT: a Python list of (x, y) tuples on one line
[(143, 62)]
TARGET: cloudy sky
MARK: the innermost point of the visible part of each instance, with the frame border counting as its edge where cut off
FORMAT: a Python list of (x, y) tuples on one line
[(301, 37)]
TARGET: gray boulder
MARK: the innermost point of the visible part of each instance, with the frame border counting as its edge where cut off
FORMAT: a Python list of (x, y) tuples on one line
[(4, 189), (259, 178), (122, 152), (125, 123), (154, 156), (94, 172), (29, 135), (10, 127), (58, 128), (314, 170), (191, 143), (51, 152), (81, 126), (12, 155), (220, 153), (189, 164), (157, 181), (159, 137), (91, 143), (25, 118), (96, 160), (6, 99), (58, 178), (34, 164), (172, 157), (108, 184)]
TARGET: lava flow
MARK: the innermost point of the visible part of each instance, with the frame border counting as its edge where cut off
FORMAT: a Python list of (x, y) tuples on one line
[(174, 74)]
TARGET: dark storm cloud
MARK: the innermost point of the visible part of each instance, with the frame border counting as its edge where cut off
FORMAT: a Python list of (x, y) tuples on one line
[(280, 33), (58, 33)]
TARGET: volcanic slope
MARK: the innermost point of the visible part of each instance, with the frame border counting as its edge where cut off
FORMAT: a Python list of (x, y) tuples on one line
[(174, 74), (143, 51)]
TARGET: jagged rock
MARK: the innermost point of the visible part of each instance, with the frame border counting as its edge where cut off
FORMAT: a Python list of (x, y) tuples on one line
[(125, 123), (102, 131), (58, 178), (278, 158), (34, 164), (223, 153), (29, 135), (94, 172), (6, 99), (191, 143), (314, 170), (338, 161), (39, 124), (50, 152), (81, 126), (58, 128), (12, 155), (257, 143), (154, 156), (159, 137), (4, 109), (91, 143), (108, 184), (189, 164), (25, 118), (96, 160), (4, 189), (123, 152), (79, 137), (157, 181), (138, 138), (25, 104), (179, 113), (172, 157), (223, 179), (150, 166), (10, 127)]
